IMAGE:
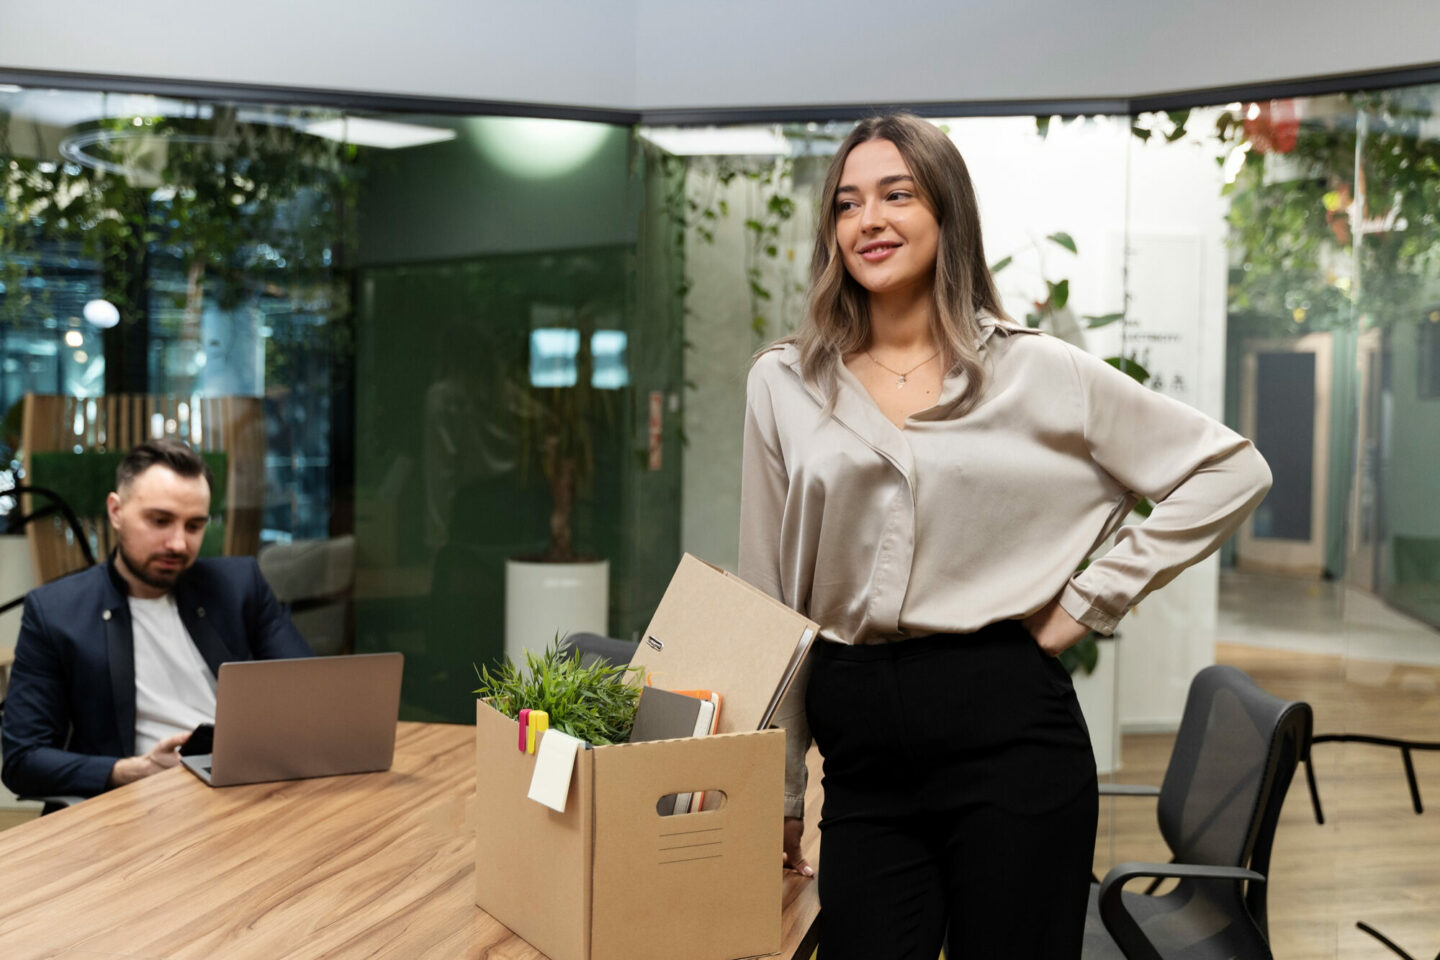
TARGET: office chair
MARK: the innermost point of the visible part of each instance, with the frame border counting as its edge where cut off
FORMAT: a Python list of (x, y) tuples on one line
[(589, 647), (1405, 747), (16, 523), (1234, 757)]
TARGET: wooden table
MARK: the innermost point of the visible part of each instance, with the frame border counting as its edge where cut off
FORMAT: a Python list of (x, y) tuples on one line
[(377, 865)]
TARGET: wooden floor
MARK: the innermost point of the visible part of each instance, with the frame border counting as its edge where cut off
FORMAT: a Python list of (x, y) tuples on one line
[(1374, 859)]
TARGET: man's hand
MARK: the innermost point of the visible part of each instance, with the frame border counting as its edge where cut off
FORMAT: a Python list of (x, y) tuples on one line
[(161, 757), (1054, 629), (794, 830)]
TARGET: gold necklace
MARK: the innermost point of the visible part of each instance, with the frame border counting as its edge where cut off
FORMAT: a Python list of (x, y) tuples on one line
[(900, 378)]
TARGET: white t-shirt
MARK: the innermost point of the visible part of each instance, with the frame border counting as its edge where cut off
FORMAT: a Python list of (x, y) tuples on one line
[(174, 688)]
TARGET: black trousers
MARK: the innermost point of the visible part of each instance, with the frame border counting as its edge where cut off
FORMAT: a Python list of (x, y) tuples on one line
[(960, 796)]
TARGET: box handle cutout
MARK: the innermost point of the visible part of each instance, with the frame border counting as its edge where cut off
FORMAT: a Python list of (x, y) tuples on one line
[(693, 801)]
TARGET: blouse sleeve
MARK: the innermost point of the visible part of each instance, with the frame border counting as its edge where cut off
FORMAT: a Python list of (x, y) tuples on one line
[(764, 483), (1203, 478)]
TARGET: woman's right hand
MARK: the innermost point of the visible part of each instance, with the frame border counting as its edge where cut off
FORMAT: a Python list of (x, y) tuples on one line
[(794, 859)]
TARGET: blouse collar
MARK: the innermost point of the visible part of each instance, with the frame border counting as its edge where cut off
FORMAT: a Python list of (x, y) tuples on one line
[(857, 411)]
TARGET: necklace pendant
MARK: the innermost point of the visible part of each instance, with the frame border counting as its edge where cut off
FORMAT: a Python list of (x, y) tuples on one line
[(899, 382)]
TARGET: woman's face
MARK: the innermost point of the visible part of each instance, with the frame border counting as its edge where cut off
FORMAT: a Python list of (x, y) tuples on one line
[(888, 236)]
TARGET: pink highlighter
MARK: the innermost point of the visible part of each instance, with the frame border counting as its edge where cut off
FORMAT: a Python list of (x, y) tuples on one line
[(524, 725)]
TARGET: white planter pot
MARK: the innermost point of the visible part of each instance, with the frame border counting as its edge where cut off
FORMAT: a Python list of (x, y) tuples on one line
[(1096, 693), (543, 599)]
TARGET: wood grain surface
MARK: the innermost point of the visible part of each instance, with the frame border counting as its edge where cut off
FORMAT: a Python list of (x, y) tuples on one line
[(376, 865)]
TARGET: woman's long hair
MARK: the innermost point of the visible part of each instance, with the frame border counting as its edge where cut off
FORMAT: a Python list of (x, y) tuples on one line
[(837, 317)]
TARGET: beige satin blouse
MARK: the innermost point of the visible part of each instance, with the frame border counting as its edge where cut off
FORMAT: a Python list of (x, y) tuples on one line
[(955, 522)]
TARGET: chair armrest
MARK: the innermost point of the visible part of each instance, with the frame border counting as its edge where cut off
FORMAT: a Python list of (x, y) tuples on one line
[(1118, 921), (1128, 790)]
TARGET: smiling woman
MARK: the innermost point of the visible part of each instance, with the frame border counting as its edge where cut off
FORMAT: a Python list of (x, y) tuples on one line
[(922, 476), (888, 235)]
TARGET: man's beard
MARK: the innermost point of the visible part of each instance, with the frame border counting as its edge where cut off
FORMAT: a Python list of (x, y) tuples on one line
[(158, 580)]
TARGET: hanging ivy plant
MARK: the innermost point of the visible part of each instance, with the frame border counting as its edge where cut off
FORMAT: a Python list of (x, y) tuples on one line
[(1335, 220)]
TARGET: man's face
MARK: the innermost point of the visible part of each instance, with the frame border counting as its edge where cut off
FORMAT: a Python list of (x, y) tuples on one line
[(159, 518)]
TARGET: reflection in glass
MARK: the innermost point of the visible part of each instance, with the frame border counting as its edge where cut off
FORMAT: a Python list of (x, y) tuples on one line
[(608, 349), (553, 352)]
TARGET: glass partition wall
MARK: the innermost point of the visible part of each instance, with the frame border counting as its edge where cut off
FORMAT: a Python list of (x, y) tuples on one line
[(376, 303), (477, 343)]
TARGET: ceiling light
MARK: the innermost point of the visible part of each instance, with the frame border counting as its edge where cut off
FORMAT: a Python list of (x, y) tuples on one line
[(719, 141), (74, 338), (101, 313), (386, 134), (534, 147)]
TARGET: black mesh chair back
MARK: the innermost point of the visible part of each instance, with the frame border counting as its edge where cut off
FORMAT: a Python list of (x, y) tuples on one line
[(590, 647), (1234, 757)]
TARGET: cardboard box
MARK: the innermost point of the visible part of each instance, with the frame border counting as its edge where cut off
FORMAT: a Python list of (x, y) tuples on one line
[(611, 879)]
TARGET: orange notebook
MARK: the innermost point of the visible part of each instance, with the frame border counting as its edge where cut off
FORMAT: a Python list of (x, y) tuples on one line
[(711, 695)]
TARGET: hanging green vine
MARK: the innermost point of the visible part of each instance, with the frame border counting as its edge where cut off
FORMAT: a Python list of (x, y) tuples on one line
[(769, 206), (775, 208)]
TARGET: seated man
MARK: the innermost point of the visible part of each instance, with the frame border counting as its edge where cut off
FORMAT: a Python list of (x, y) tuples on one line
[(115, 665)]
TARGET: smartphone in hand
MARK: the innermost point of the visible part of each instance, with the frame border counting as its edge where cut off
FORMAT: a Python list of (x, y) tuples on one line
[(202, 740)]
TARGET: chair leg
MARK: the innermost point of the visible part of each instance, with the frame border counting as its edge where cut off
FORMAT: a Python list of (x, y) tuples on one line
[(1314, 791), (1385, 940), (1410, 777)]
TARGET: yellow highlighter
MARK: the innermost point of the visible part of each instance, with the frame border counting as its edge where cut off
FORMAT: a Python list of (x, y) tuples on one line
[(539, 723)]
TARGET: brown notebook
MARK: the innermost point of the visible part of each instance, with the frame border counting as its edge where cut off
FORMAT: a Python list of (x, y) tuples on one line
[(663, 715)]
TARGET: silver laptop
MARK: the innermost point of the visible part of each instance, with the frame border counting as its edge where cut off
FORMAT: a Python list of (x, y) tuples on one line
[(310, 717)]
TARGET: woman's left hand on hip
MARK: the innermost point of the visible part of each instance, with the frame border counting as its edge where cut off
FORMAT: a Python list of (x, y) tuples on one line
[(1054, 629)]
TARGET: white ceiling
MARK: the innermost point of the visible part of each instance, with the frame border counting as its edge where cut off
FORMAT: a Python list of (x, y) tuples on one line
[(655, 54)]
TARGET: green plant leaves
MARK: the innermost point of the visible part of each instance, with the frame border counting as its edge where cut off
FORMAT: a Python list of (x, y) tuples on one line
[(594, 703), (1179, 118), (1059, 294), (1082, 656), (1130, 367), (1063, 239)]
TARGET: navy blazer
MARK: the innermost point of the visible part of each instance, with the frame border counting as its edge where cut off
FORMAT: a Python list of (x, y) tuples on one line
[(70, 712)]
